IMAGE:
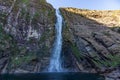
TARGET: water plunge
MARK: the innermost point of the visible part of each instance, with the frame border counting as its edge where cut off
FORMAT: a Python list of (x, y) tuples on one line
[(55, 61)]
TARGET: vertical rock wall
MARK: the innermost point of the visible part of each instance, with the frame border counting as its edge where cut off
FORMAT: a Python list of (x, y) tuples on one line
[(27, 34)]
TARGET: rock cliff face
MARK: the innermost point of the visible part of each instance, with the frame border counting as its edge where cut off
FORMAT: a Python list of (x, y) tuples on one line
[(26, 35), (91, 39)]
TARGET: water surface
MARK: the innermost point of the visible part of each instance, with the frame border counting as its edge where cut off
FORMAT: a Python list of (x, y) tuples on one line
[(52, 76)]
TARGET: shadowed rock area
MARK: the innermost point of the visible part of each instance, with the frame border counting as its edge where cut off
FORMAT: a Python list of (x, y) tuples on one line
[(26, 35), (92, 41)]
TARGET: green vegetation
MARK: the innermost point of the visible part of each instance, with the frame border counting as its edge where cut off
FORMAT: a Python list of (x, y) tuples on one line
[(17, 60), (5, 40), (76, 51), (3, 35), (113, 62), (25, 1), (18, 52), (36, 15), (42, 1), (43, 38), (2, 17)]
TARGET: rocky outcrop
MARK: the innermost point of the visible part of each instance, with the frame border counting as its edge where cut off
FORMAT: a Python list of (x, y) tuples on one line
[(26, 35), (92, 38)]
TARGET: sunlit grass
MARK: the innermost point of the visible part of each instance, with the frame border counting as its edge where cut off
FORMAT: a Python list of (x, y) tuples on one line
[(110, 18)]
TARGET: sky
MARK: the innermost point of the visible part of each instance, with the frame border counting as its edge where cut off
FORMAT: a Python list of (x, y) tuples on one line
[(87, 4)]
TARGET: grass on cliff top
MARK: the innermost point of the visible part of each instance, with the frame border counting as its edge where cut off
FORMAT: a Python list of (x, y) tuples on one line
[(110, 18), (93, 13)]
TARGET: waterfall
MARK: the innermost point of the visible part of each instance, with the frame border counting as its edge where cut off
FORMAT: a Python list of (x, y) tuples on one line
[(55, 61)]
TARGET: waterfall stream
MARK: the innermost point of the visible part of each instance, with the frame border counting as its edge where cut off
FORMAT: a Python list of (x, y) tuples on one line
[(55, 61)]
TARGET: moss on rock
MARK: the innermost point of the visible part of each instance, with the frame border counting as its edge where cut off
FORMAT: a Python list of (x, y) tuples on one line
[(27, 33), (93, 51)]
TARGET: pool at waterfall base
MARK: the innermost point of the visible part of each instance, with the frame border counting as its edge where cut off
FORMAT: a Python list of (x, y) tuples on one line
[(52, 76)]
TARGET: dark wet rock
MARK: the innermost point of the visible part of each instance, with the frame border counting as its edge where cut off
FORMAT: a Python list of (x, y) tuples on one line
[(3, 62), (104, 40), (114, 75), (115, 48)]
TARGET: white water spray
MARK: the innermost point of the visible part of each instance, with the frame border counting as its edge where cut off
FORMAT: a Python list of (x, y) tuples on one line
[(55, 62)]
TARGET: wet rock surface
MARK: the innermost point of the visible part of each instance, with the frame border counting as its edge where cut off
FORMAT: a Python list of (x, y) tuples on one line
[(114, 75)]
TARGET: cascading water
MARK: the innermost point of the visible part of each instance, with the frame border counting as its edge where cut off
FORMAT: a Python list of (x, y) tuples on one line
[(55, 62)]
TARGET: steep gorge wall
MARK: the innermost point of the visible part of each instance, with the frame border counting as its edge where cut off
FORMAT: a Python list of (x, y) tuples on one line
[(26, 35), (91, 39)]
